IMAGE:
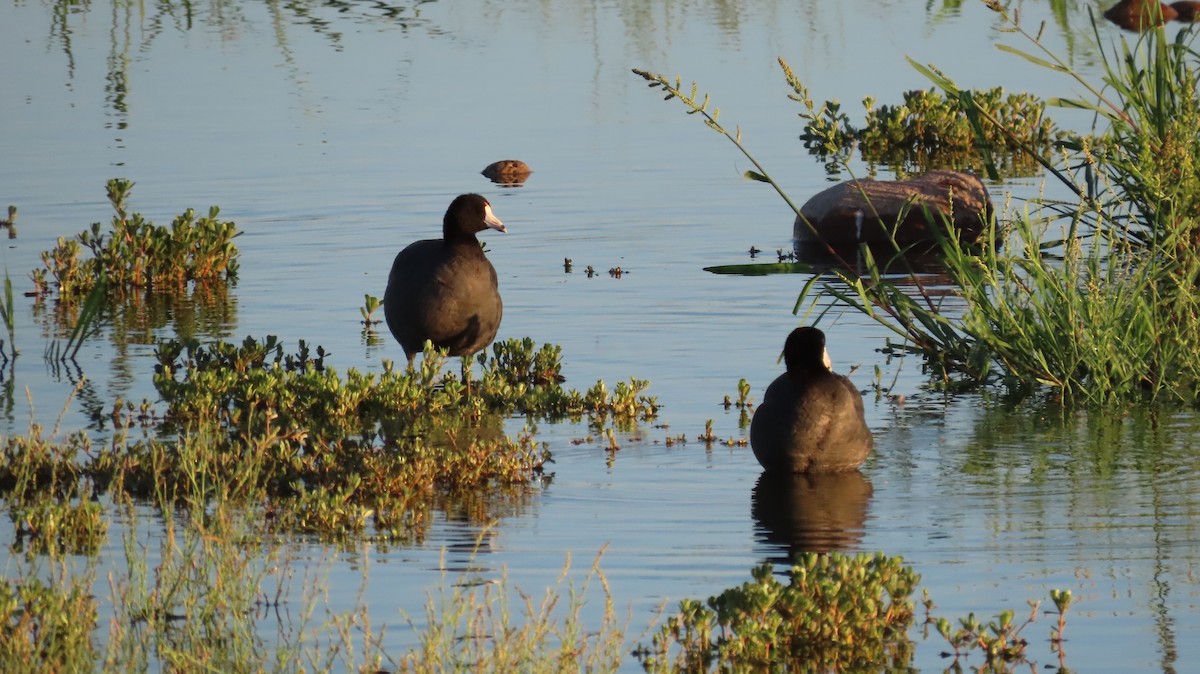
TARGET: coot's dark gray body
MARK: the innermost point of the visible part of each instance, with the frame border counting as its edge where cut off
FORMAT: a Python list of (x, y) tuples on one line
[(811, 419), (444, 290)]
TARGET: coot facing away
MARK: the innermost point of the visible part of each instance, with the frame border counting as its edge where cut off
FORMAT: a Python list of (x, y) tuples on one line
[(811, 418)]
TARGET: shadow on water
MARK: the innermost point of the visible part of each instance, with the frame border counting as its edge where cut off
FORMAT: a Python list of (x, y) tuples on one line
[(794, 514)]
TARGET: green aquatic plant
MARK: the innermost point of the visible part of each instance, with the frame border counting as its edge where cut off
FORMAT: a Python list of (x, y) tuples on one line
[(929, 131), (1062, 603), (370, 305), (364, 455), (33, 465), (196, 596), (137, 254), (49, 526), (744, 394), (999, 640), (46, 625), (8, 315), (84, 325), (836, 613), (238, 384)]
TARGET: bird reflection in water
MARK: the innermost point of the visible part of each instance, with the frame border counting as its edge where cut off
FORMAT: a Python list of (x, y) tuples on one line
[(821, 512)]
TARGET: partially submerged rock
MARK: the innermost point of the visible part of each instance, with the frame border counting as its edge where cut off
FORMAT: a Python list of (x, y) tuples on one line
[(507, 171), (866, 211)]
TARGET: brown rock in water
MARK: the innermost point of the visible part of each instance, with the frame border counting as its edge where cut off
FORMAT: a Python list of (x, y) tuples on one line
[(507, 171), (1139, 15), (1187, 11), (845, 214)]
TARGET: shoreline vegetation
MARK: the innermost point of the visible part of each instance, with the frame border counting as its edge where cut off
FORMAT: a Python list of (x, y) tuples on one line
[(251, 447)]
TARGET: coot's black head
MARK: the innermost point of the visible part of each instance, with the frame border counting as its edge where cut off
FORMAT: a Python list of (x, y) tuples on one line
[(804, 351), (468, 214)]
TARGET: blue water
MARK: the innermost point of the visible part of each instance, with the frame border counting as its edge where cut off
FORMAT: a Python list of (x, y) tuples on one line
[(335, 138)]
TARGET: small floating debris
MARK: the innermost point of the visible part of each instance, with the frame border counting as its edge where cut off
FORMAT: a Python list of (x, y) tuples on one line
[(11, 223), (507, 172)]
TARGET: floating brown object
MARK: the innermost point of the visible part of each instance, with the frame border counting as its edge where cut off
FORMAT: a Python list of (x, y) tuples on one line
[(1139, 15), (866, 211), (507, 171), (1187, 11), (11, 223)]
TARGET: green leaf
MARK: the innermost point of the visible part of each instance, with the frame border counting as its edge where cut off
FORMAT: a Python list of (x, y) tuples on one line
[(1033, 59), (939, 80), (761, 268)]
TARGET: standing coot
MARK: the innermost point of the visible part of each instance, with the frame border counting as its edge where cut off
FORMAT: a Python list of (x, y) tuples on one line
[(444, 290), (811, 419)]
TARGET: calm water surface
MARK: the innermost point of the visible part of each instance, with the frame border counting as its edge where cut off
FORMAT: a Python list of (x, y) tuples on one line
[(333, 138)]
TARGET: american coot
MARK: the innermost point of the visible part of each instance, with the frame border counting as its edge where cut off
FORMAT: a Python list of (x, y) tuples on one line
[(444, 290), (811, 419)]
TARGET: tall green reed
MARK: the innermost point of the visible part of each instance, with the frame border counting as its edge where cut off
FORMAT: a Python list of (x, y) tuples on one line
[(7, 314)]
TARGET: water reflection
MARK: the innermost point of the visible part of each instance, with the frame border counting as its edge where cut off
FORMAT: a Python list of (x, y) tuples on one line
[(135, 28), (8, 388), (822, 513), (132, 322), (853, 258), (1110, 487)]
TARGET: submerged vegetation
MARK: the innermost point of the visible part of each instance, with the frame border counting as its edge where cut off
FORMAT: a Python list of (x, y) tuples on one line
[(1088, 299)]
